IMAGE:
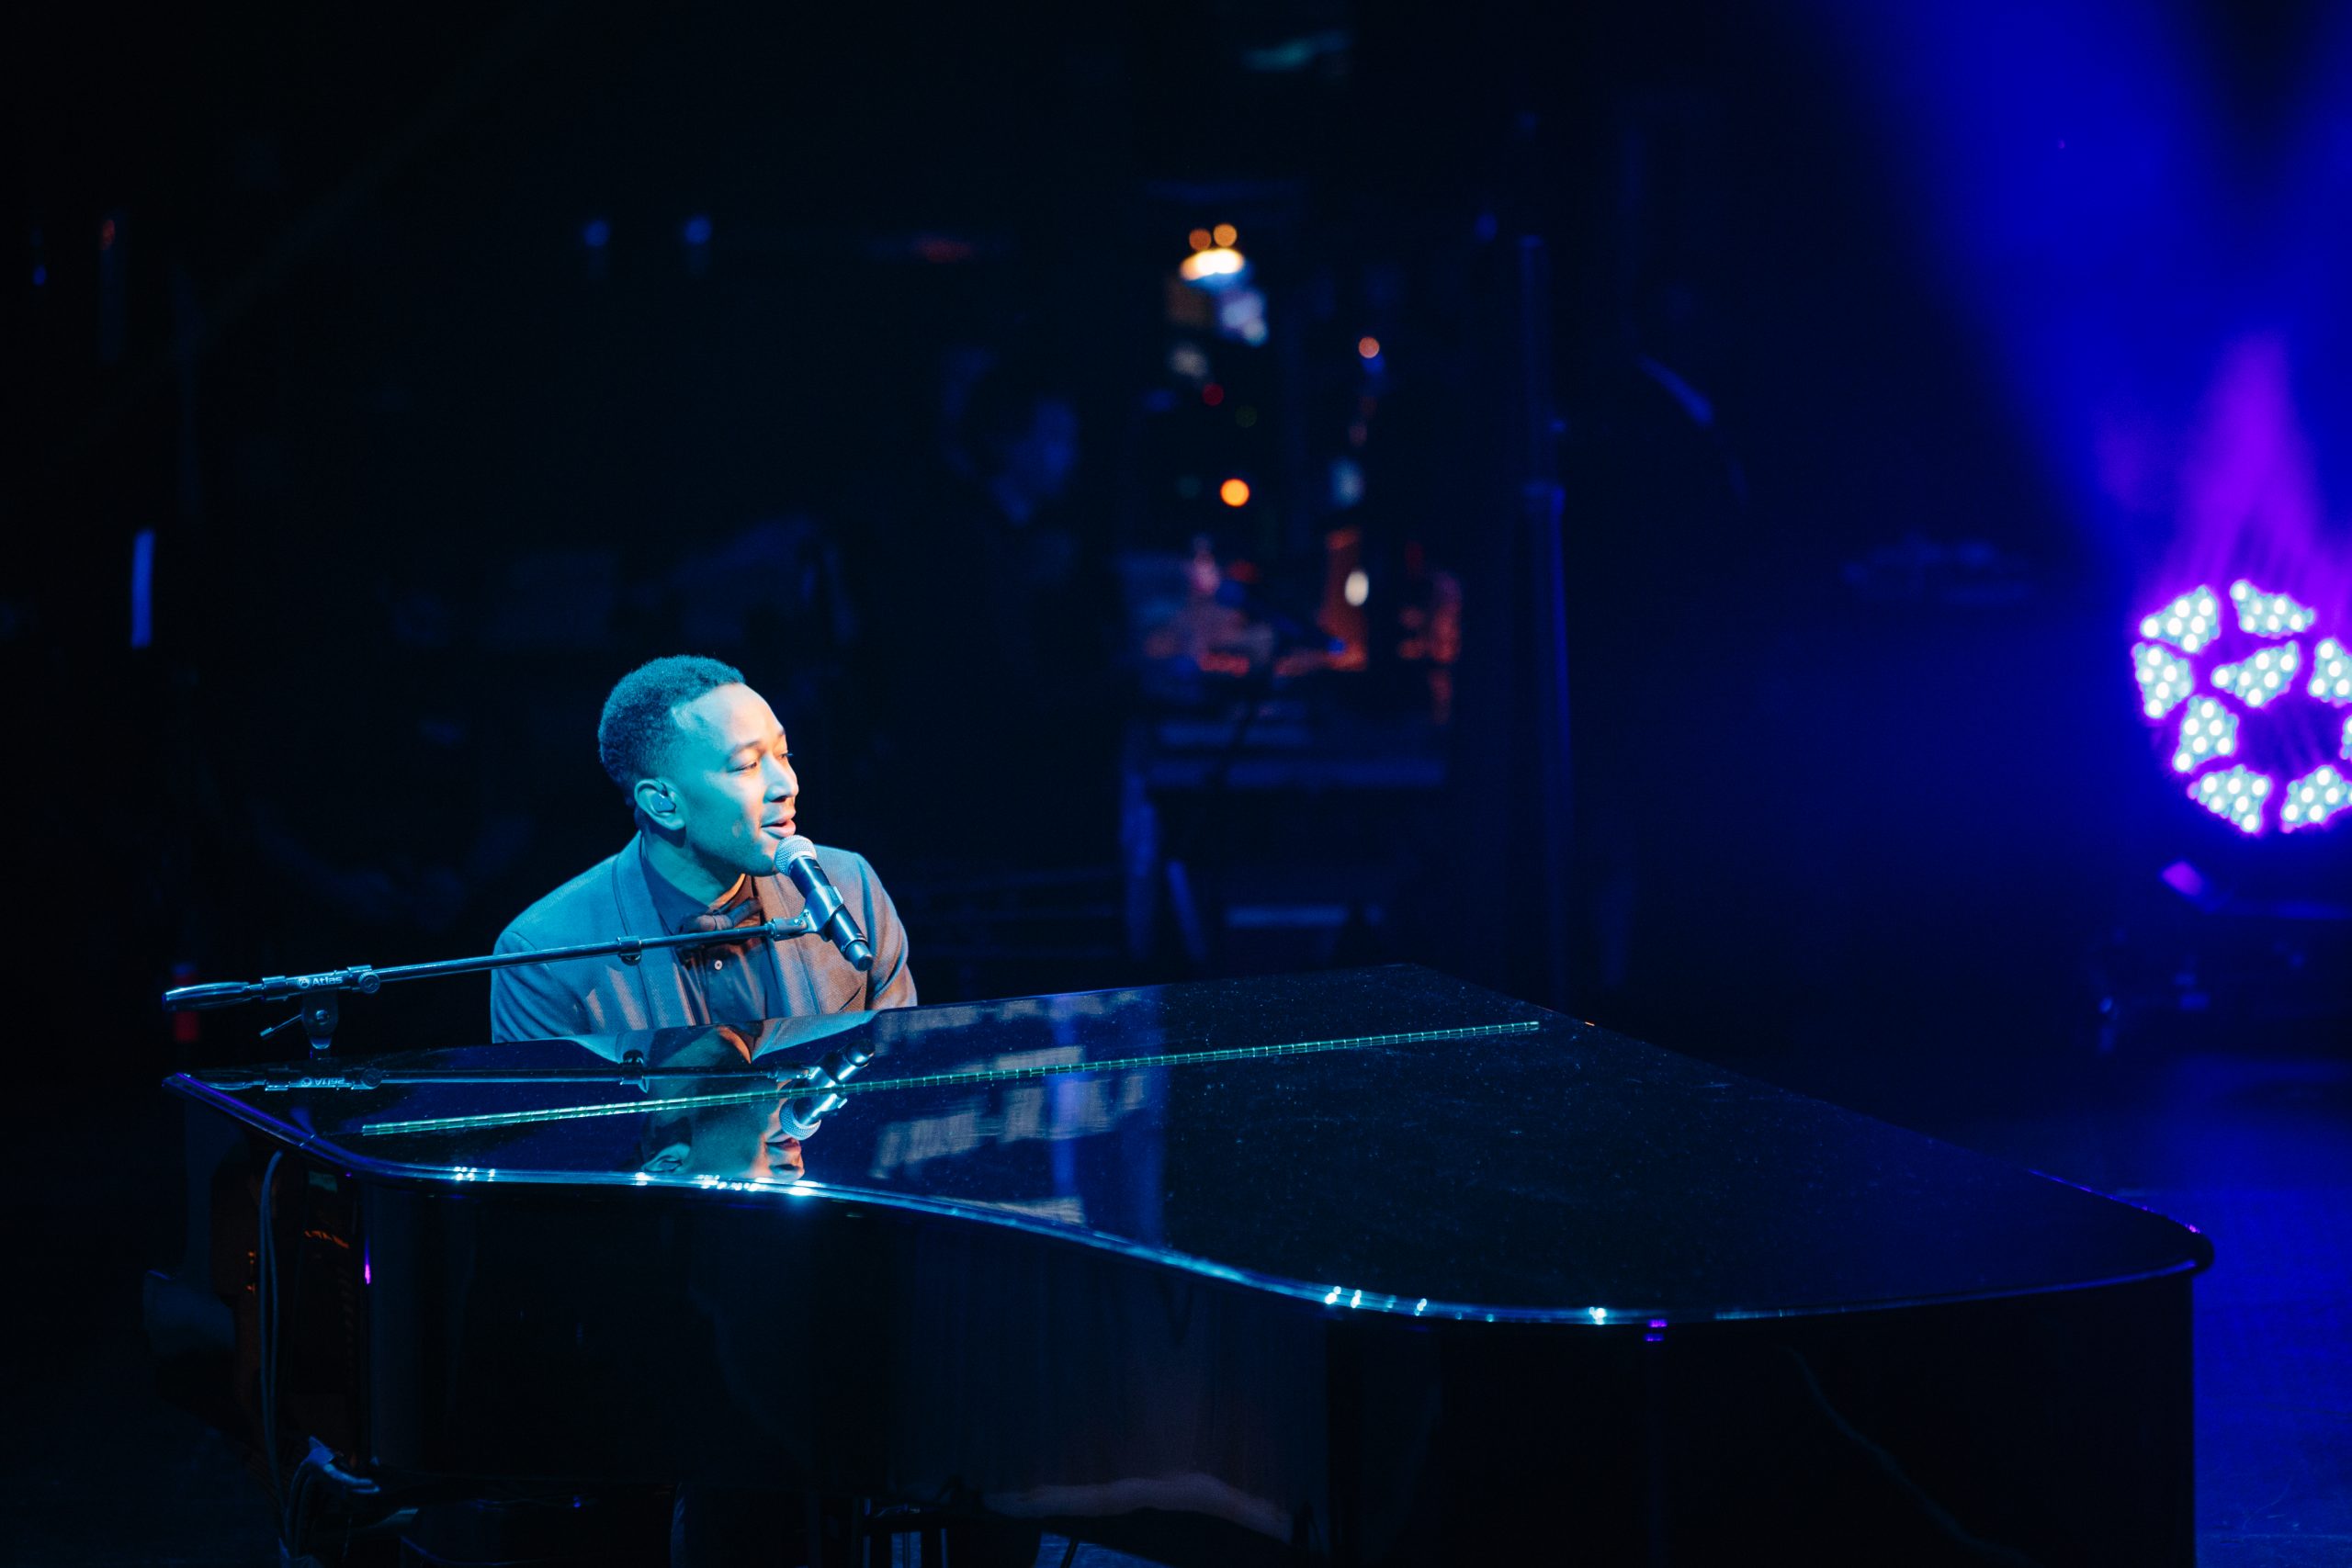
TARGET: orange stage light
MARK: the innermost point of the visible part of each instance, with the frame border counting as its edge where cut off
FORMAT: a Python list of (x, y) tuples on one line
[(1234, 493)]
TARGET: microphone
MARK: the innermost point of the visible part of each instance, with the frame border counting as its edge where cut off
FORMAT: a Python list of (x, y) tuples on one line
[(797, 857)]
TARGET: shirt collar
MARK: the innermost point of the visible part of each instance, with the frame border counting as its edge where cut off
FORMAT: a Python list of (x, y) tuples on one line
[(679, 910)]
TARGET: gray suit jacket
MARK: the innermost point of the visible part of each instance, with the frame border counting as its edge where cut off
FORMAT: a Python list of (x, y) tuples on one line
[(611, 898)]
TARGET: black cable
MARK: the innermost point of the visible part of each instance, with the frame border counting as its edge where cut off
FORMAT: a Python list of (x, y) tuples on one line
[(1935, 1512)]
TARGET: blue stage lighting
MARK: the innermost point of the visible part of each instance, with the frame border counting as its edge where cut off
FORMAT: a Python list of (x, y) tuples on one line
[(2235, 796), (2332, 672), (2166, 680), (2313, 798), (2268, 614), (596, 233), (2188, 623), (2255, 681), (2208, 734)]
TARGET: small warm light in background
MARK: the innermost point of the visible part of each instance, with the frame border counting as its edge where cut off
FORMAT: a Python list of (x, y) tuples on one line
[(1212, 394), (1234, 493), (1202, 266), (105, 234), (1368, 346), (1199, 239), (1359, 588), (1226, 233)]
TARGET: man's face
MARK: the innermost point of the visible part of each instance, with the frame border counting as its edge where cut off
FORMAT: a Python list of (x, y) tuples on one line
[(731, 779)]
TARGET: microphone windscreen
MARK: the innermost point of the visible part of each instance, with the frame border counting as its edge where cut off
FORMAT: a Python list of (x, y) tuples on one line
[(793, 849)]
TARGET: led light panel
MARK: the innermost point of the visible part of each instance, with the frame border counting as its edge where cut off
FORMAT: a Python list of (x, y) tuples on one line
[(2166, 680), (2188, 623), (2235, 796), (2208, 734), (2332, 672), (2313, 798), (2268, 614), (2254, 680)]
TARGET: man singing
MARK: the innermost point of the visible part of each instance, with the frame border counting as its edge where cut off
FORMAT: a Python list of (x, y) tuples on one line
[(705, 766)]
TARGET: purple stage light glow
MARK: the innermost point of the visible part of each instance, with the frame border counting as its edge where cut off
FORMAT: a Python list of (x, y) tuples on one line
[(2259, 726), (2208, 734), (2236, 796), (2188, 623), (2165, 679), (2314, 798), (2255, 680)]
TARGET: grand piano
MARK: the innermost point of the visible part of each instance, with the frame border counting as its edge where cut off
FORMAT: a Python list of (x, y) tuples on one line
[(1371, 1266)]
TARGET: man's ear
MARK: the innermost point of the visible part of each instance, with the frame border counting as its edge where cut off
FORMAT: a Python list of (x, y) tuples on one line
[(658, 801)]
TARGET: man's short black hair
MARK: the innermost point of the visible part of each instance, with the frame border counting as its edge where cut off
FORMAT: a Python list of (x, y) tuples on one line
[(638, 728)]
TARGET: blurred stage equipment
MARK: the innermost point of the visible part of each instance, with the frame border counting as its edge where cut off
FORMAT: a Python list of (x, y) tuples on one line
[(1129, 1266)]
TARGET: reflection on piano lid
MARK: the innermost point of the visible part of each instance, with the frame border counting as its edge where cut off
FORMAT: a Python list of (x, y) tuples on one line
[(1367, 1267), (1415, 1144)]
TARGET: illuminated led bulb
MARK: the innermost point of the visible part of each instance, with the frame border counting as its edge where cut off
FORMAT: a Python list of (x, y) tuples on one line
[(2332, 672), (2235, 796), (2257, 679), (2209, 733), (2344, 751), (2165, 679), (2313, 798), (2188, 623), (2268, 614)]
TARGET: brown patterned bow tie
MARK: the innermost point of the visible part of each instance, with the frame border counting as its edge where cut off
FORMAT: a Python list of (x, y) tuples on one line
[(744, 911)]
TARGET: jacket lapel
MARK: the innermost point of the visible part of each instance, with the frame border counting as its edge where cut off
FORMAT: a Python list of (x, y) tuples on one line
[(661, 990), (806, 982)]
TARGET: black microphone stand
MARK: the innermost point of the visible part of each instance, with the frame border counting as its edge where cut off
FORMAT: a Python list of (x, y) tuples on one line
[(319, 996)]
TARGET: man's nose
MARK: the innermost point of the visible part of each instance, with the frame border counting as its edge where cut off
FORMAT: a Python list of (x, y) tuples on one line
[(783, 785)]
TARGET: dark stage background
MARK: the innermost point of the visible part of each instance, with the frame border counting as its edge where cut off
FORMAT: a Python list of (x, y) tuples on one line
[(1823, 393), (450, 369)]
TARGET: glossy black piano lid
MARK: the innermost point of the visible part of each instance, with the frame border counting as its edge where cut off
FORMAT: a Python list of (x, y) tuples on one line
[(1384, 1140)]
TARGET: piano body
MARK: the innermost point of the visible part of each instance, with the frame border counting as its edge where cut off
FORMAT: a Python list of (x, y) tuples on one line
[(1358, 1267)]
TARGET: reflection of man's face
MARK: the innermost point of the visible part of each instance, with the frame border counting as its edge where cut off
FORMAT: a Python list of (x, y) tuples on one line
[(779, 1158), (746, 1142)]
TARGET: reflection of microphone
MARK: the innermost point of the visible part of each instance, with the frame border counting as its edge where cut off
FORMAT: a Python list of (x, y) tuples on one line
[(797, 857)]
